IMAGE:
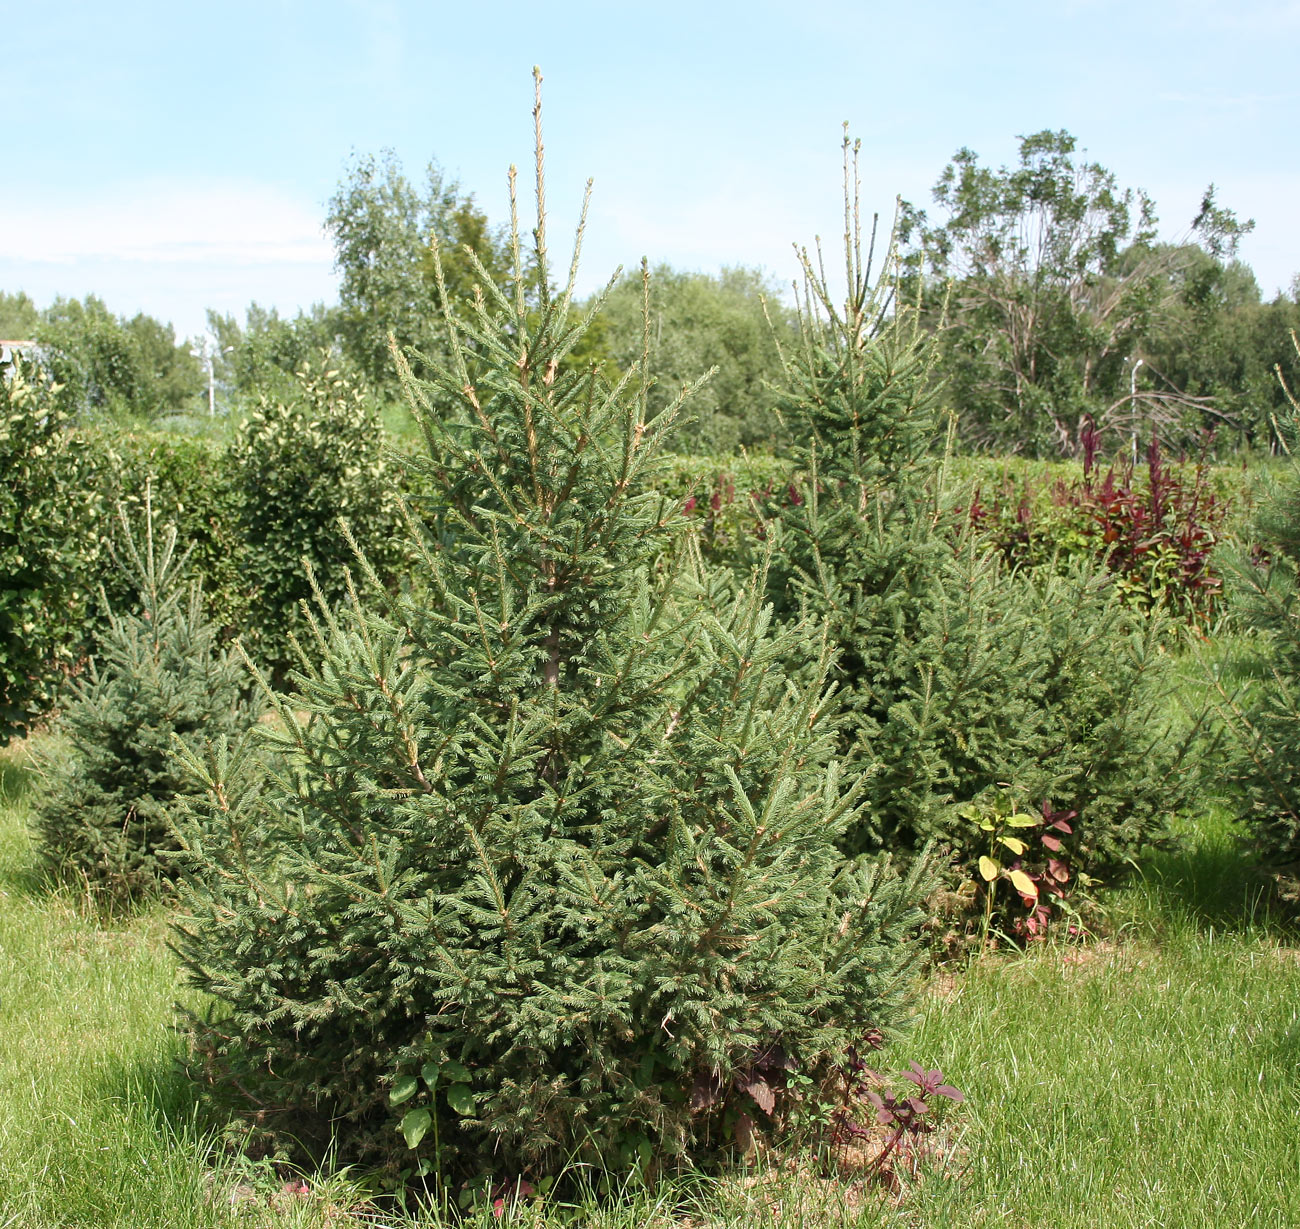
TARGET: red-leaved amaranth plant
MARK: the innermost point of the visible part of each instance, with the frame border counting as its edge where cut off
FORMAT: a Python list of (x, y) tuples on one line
[(1154, 536)]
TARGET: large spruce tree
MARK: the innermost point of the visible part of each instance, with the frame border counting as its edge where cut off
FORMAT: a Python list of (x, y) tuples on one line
[(546, 864), (957, 676)]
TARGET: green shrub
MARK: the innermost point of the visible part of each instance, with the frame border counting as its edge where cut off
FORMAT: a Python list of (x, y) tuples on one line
[(298, 465), (546, 868), (48, 546), (106, 819), (260, 357)]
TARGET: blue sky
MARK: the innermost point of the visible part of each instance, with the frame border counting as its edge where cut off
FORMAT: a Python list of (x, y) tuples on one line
[(173, 157)]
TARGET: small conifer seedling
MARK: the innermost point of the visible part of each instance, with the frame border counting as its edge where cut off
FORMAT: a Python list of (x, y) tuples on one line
[(546, 869), (106, 820)]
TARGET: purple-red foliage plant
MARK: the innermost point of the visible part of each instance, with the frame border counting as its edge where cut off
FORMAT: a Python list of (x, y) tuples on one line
[(867, 1102), (728, 523), (1154, 532)]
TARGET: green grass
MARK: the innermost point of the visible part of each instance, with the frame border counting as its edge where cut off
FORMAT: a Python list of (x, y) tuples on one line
[(95, 1129), (1149, 1078)]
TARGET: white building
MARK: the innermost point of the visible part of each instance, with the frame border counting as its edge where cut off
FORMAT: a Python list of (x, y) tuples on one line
[(9, 348)]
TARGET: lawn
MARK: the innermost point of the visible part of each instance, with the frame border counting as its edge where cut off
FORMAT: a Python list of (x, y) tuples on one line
[(1150, 1077)]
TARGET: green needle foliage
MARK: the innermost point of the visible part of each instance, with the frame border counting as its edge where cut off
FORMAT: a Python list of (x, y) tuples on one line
[(1263, 716), (546, 866), (958, 676), (106, 820)]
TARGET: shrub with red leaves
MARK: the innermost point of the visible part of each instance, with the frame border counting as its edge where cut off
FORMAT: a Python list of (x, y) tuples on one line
[(1154, 532)]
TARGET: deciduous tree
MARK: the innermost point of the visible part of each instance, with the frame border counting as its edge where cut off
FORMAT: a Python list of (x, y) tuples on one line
[(383, 227), (1058, 281)]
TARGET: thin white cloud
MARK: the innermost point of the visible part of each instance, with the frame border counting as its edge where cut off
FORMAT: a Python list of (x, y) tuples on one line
[(171, 250), (1209, 98), (163, 223)]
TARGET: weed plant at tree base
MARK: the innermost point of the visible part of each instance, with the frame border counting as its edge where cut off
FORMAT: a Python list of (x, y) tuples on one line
[(547, 865), (158, 678), (959, 676)]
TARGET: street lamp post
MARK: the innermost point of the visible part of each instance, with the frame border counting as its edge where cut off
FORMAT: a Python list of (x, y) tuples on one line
[(206, 353), (1132, 406)]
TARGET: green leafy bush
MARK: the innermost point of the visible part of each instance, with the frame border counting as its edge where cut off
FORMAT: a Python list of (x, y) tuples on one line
[(63, 482), (106, 819), (260, 357), (298, 465), (546, 868), (49, 546)]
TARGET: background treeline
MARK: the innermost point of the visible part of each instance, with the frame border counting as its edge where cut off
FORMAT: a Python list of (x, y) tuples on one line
[(251, 505), (1066, 311), (1056, 306), (105, 363)]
